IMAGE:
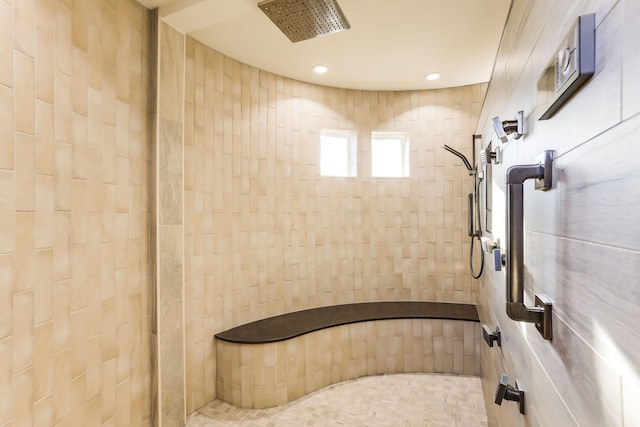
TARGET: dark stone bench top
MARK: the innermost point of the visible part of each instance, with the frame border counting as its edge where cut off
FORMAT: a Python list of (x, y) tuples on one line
[(291, 325)]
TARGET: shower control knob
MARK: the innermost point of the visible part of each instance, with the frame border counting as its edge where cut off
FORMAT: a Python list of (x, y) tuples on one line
[(564, 59), (509, 392)]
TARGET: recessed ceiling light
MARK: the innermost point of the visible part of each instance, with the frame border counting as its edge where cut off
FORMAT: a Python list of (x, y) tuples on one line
[(433, 76), (320, 69)]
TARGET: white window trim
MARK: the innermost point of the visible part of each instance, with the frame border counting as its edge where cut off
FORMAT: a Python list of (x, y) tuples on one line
[(405, 157), (351, 154)]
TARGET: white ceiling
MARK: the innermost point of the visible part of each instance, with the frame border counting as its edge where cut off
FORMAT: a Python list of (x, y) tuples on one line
[(392, 45)]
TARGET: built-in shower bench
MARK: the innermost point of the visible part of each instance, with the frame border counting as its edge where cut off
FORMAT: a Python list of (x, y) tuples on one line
[(276, 360)]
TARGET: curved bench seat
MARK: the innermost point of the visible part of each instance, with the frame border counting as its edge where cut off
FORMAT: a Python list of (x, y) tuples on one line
[(276, 360), (291, 325)]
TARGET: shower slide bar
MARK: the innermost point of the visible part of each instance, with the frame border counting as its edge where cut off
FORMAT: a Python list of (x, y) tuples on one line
[(516, 309)]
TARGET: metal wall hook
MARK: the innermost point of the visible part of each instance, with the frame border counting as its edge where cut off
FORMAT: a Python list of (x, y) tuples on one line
[(509, 392)]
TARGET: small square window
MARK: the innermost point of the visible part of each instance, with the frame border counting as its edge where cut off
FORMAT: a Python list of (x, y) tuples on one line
[(338, 153), (389, 155)]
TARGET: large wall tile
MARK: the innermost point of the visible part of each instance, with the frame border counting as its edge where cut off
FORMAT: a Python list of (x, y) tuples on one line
[(630, 60), (168, 231), (593, 289), (572, 364), (580, 237), (65, 293), (600, 204), (6, 133), (631, 394)]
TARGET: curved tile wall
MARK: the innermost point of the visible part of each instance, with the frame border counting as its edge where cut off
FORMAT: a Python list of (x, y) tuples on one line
[(265, 234), (265, 375)]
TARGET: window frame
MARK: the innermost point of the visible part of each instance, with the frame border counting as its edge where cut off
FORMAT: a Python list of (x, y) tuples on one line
[(405, 155), (351, 154)]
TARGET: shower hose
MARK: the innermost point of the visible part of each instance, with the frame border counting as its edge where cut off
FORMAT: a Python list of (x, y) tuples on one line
[(476, 233)]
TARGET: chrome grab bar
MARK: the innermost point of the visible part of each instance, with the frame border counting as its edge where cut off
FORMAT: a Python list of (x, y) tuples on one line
[(516, 309)]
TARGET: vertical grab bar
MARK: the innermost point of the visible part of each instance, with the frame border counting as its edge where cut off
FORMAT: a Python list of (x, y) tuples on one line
[(516, 309)]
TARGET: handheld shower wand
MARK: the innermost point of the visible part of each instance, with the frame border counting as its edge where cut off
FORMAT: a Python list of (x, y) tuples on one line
[(473, 232)]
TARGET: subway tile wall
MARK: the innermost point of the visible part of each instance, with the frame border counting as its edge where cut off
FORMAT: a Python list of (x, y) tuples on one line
[(74, 217), (265, 234), (266, 375), (582, 236)]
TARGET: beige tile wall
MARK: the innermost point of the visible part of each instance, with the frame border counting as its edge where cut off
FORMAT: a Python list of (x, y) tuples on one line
[(169, 223), (265, 234), (582, 236), (74, 277), (266, 375)]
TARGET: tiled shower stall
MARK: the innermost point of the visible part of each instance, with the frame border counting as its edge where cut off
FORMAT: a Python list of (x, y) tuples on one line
[(109, 218), (154, 192)]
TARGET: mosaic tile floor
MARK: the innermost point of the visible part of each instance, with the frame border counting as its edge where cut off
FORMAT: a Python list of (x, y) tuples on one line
[(386, 400)]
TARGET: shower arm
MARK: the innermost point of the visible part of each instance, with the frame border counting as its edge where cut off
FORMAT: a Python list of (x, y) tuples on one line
[(461, 157), (516, 309)]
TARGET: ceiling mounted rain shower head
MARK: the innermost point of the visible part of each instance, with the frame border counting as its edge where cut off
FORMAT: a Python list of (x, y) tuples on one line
[(507, 127), (305, 19)]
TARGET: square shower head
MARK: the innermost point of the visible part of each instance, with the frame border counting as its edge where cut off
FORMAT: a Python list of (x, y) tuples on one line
[(305, 19)]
